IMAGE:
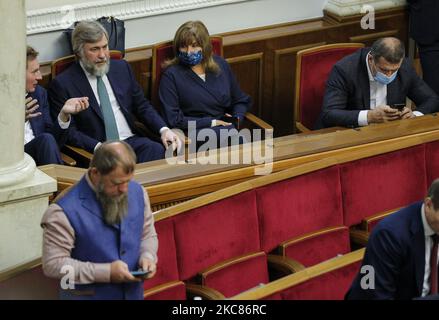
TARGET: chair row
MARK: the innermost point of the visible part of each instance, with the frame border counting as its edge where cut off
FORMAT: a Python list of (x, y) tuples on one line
[(223, 241)]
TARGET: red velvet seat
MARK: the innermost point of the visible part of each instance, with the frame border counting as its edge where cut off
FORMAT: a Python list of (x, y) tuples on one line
[(383, 182), (313, 66), (302, 217), (218, 247), (432, 161), (331, 285), (166, 283)]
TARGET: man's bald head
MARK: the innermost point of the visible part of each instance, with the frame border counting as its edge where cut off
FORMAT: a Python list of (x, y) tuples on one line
[(113, 154), (390, 48)]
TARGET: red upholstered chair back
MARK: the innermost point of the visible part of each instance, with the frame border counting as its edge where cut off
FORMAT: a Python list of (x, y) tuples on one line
[(312, 69), (164, 51), (382, 183), (216, 232), (167, 269), (432, 161), (63, 63), (300, 205)]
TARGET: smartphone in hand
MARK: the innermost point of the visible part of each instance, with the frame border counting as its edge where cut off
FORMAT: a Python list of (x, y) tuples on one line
[(139, 273), (398, 106)]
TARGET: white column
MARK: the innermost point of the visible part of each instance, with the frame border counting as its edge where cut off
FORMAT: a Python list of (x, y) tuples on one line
[(353, 7), (15, 167), (24, 190)]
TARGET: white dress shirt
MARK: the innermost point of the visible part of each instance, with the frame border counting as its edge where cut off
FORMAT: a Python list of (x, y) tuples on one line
[(29, 133), (428, 232), (123, 128), (378, 97)]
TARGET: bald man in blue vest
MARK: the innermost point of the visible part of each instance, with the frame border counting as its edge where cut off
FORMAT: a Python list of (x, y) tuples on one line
[(101, 231)]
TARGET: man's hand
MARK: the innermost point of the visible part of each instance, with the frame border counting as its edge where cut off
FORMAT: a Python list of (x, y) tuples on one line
[(407, 113), (73, 106), (222, 123), (169, 138), (383, 114), (31, 106), (150, 266), (120, 273)]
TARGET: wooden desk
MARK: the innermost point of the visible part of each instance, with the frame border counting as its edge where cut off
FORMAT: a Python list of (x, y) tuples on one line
[(169, 184)]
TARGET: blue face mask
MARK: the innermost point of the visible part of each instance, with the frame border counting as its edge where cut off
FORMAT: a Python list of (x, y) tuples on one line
[(190, 58), (383, 79)]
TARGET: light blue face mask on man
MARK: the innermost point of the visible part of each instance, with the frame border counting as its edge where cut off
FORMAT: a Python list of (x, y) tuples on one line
[(383, 79)]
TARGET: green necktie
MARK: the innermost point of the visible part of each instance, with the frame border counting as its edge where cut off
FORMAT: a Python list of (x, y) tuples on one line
[(107, 111)]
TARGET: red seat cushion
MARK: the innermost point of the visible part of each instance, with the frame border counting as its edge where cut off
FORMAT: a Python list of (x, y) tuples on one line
[(382, 183), (239, 277), (329, 286), (216, 232), (321, 247), (300, 205)]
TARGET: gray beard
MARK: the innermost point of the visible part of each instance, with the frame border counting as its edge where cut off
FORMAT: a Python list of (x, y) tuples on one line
[(114, 208), (94, 70)]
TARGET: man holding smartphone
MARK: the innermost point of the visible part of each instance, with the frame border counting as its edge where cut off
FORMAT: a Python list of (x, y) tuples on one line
[(370, 86), (42, 137), (102, 230)]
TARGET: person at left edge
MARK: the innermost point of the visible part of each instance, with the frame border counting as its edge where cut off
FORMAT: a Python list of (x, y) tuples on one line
[(43, 137), (124, 96), (100, 230)]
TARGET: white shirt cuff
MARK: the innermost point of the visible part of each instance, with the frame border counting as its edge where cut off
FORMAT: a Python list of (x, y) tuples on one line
[(97, 146), (62, 124), (418, 113), (362, 118), (163, 129), (213, 124)]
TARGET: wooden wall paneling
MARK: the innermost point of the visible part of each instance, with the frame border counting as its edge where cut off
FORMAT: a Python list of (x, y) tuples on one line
[(283, 87), (250, 69)]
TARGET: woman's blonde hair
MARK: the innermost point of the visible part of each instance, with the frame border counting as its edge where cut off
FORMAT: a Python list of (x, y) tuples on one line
[(188, 33)]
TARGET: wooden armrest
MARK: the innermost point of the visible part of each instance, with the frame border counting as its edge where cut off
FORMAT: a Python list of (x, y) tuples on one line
[(162, 287), (301, 128), (68, 160), (281, 266), (359, 237), (79, 151), (196, 290), (257, 121)]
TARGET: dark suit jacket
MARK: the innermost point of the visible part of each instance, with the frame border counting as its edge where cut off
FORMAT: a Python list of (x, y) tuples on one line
[(44, 123), (87, 127), (348, 91), (424, 21), (186, 97), (396, 250)]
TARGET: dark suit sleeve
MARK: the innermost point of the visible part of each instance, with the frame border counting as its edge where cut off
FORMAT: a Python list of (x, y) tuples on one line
[(241, 102), (335, 110), (421, 94), (50, 126), (385, 255), (57, 98), (141, 107), (174, 116)]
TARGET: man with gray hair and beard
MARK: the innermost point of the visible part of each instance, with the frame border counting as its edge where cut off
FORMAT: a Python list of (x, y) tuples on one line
[(101, 230), (116, 99)]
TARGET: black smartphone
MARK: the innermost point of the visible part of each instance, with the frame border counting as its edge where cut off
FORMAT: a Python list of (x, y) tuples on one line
[(398, 106), (233, 120), (139, 273)]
